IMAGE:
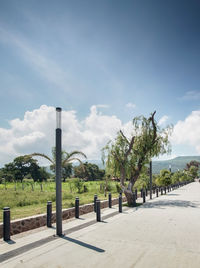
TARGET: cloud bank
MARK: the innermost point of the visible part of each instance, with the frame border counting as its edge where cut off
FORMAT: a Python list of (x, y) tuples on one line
[(188, 131), (36, 132)]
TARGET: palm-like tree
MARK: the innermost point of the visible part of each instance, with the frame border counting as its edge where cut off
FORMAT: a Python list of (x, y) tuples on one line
[(66, 158)]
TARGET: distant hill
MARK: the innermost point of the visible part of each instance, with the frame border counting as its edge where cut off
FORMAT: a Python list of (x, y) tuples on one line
[(176, 163)]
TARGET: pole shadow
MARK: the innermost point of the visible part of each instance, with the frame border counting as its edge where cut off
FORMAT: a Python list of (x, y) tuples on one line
[(83, 244)]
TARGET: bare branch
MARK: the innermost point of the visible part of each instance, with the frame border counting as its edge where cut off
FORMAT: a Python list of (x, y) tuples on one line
[(130, 147), (124, 137)]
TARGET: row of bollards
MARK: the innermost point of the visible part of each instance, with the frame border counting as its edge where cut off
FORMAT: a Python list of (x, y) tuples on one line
[(97, 206)]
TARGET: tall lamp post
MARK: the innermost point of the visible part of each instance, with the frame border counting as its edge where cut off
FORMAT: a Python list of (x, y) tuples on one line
[(58, 173), (150, 173)]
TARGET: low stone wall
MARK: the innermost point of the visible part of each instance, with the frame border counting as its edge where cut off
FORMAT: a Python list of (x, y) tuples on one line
[(29, 223)]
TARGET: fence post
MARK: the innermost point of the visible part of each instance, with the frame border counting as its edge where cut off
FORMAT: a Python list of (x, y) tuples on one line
[(98, 210), (6, 223), (110, 200), (134, 200), (49, 213), (120, 203), (77, 207), (95, 199), (156, 192), (136, 194), (144, 197), (141, 192)]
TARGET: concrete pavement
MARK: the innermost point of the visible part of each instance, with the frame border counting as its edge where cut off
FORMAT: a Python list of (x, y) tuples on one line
[(165, 232)]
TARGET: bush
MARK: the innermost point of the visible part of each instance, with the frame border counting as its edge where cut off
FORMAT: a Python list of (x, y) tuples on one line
[(78, 183), (118, 188)]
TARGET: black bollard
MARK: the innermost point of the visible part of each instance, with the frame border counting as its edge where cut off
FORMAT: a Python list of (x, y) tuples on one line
[(77, 207), (98, 209), (165, 190), (153, 190), (161, 191), (120, 203), (134, 200), (110, 200), (144, 197), (141, 193), (146, 192), (49, 213), (156, 192), (135, 194), (6, 223), (95, 199)]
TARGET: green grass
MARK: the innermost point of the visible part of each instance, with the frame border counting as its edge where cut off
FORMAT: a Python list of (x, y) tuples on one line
[(27, 202)]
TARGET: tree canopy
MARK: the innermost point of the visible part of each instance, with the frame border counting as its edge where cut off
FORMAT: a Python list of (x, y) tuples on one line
[(23, 166), (66, 160), (89, 171), (126, 156)]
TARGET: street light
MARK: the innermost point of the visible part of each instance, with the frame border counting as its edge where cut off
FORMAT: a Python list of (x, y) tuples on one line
[(150, 173), (58, 173)]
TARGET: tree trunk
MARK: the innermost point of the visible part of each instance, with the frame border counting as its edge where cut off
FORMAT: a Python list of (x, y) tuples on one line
[(129, 197), (129, 192)]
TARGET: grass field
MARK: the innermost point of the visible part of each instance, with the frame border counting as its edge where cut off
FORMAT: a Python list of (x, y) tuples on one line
[(30, 198)]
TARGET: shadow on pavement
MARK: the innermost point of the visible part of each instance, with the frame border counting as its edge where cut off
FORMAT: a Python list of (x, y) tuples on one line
[(170, 203), (10, 242), (83, 244)]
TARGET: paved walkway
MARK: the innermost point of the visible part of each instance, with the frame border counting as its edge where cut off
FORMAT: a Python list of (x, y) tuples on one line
[(165, 232)]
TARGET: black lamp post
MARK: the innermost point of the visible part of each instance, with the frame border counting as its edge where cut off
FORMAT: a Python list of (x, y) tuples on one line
[(150, 173), (58, 173)]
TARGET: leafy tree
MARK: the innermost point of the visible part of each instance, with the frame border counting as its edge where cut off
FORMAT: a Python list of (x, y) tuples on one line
[(193, 172), (164, 179), (192, 163), (176, 177), (21, 167), (127, 157), (78, 183), (89, 171), (66, 160), (67, 171)]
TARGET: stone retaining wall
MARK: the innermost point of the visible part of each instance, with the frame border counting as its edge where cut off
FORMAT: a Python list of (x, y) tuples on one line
[(29, 223)]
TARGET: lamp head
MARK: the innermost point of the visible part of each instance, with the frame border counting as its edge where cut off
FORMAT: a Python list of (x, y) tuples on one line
[(58, 117)]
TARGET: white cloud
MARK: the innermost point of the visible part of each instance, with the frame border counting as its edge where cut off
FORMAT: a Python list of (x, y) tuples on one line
[(191, 95), (163, 120), (36, 133), (131, 105), (188, 131)]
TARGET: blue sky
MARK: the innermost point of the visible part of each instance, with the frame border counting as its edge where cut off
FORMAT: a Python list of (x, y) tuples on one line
[(128, 57)]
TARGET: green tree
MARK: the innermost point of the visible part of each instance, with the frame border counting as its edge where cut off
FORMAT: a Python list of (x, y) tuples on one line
[(126, 157), (20, 168), (192, 163), (66, 160), (89, 171), (164, 179), (176, 177), (193, 172)]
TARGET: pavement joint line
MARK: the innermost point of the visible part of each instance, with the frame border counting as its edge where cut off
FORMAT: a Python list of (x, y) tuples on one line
[(14, 253)]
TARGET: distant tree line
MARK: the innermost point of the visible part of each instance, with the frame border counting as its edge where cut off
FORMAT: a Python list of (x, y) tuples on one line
[(26, 167)]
